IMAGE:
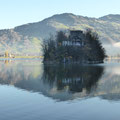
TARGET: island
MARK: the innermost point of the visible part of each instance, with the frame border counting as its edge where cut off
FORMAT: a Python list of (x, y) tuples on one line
[(73, 46)]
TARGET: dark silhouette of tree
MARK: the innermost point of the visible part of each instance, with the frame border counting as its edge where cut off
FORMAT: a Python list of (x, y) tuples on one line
[(60, 37), (49, 49), (93, 47)]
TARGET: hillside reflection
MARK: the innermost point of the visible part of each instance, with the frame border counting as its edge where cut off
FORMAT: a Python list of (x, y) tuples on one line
[(62, 82)]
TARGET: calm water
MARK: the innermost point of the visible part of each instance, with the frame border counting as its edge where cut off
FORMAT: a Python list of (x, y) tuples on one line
[(31, 91)]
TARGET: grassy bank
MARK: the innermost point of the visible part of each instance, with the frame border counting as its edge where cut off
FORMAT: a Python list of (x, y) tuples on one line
[(23, 57)]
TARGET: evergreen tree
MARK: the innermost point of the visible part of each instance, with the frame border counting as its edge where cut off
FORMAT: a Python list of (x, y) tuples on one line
[(93, 47)]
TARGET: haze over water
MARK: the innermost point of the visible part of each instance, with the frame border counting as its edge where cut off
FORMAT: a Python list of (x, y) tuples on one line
[(30, 90)]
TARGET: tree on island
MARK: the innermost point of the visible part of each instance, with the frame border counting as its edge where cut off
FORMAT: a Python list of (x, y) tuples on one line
[(61, 49), (93, 49)]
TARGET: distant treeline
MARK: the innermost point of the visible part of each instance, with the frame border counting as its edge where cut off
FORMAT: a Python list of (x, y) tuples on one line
[(91, 51)]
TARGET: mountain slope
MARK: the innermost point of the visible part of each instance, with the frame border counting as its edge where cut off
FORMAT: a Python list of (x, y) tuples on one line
[(111, 18), (108, 28)]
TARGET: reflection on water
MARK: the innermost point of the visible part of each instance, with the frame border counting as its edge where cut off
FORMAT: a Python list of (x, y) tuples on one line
[(63, 82), (72, 79), (31, 91)]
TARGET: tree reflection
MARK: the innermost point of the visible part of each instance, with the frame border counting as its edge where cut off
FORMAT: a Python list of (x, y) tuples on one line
[(74, 77), (62, 82)]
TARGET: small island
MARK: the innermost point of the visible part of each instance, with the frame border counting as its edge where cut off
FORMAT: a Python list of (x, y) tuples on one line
[(74, 46)]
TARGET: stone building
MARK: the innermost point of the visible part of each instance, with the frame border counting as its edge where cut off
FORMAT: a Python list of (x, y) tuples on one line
[(76, 38)]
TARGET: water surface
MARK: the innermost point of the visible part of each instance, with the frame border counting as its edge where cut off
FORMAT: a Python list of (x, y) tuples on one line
[(30, 90)]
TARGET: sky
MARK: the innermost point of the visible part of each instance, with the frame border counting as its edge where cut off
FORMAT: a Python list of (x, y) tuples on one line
[(17, 12)]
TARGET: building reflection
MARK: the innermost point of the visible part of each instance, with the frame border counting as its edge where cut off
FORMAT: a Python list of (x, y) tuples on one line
[(74, 78), (63, 82)]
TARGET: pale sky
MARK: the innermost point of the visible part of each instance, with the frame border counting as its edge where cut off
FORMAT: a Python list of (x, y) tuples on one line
[(18, 12)]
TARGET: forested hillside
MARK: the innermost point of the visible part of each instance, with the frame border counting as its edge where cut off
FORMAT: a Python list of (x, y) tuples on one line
[(27, 38)]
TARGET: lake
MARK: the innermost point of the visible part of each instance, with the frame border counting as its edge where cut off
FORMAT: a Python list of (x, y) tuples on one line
[(30, 90)]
